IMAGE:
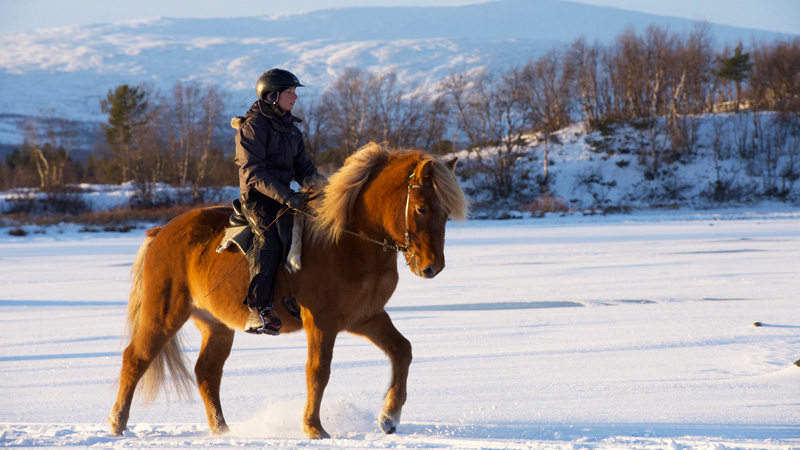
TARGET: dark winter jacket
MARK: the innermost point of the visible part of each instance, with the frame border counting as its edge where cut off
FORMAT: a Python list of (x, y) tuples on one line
[(270, 153)]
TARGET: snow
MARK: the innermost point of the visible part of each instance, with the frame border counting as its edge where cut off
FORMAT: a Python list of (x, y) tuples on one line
[(566, 332)]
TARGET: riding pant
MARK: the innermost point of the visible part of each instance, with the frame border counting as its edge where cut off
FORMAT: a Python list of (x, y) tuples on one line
[(267, 251)]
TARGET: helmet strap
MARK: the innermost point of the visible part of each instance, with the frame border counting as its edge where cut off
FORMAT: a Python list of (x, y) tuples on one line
[(273, 107)]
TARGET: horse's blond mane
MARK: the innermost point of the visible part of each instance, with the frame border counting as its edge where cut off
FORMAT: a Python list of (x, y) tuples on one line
[(332, 212), (449, 191), (341, 192)]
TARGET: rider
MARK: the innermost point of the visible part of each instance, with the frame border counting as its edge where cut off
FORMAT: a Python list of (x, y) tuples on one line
[(270, 153)]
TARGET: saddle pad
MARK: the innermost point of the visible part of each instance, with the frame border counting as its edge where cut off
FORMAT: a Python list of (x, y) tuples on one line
[(242, 237)]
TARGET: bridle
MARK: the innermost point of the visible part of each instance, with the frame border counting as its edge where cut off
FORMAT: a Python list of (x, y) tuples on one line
[(385, 244), (408, 201)]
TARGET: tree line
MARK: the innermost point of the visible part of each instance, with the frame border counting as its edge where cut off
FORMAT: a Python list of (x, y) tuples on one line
[(182, 138)]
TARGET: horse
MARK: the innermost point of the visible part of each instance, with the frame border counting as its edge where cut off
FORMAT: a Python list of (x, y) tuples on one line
[(400, 199)]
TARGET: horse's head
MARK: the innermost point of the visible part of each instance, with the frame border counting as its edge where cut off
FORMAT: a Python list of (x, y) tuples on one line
[(373, 196), (429, 203)]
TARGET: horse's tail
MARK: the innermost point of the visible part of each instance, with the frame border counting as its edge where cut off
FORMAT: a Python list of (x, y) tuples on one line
[(171, 357)]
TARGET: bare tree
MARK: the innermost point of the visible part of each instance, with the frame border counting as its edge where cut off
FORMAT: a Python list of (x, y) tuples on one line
[(773, 78), (697, 58), (396, 113), (494, 113), (32, 133), (50, 138), (194, 113), (547, 91), (466, 95), (623, 62), (153, 164), (435, 121), (581, 64), (315, 127), (346, 103)]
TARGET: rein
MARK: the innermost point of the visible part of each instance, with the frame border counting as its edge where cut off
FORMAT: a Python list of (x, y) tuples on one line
[(385, 244)]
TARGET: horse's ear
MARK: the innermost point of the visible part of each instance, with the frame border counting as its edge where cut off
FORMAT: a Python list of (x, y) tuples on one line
[(452, 164), (424, 169)]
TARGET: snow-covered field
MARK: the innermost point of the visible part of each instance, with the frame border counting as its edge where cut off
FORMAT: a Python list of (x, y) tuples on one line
[(628, 331)]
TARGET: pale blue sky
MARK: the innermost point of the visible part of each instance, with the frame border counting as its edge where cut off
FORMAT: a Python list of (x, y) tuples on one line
[(27, 15)]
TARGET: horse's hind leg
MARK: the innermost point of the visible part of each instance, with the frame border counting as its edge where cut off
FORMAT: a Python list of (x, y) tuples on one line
[(151, 336), (217, 342), (382, 333)]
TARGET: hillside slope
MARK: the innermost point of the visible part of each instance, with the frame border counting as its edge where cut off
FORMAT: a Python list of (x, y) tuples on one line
[(732, 159)]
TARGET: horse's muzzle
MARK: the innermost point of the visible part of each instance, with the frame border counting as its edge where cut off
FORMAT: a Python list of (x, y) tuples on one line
[(429, 271)]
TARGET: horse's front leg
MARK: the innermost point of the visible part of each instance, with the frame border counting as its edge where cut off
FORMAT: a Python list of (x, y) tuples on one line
[(318, 371), (381, 331)]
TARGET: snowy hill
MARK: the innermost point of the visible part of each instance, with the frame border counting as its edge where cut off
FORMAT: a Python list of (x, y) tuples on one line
[(69, 69), (613, 168)]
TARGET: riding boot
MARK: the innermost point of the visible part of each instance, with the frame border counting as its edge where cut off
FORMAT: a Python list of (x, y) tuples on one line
[(263, 321), (263, 266)]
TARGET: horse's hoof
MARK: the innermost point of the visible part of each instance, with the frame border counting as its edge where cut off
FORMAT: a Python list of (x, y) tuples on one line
[(387, 424), (116, 429), (317, 433), (222, 429)]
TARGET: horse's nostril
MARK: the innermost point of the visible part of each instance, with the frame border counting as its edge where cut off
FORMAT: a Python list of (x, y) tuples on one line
[(429, 272)]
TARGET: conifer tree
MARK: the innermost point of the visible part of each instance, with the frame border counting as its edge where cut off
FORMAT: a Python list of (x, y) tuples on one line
[(126, 107), (736, 69)]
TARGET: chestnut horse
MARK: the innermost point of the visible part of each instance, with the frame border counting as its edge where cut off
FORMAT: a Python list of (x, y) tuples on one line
[(399, 197)]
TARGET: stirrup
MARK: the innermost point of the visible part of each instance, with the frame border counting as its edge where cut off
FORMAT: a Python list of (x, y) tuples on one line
[(262, 322)]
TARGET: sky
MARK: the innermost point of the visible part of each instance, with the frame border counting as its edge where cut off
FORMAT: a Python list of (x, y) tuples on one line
[(27, 15)]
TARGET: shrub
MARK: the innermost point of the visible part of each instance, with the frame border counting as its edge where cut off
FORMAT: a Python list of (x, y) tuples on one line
[(546, 203), (20, 203), (17, 232), (65, 202)]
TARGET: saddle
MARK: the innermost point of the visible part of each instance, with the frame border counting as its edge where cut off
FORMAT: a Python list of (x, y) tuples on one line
[(238, 233), (237, 219)]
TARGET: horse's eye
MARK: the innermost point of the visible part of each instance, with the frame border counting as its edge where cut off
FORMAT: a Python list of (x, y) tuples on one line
[(421, 209)]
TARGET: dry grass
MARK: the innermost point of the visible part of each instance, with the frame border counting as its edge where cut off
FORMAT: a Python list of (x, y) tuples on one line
[(546, 203), (121, 219)]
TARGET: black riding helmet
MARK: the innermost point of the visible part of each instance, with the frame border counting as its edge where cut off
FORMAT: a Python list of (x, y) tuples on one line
[(275, 80)]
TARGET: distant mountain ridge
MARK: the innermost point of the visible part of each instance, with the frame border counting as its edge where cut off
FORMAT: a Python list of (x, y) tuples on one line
[(69, 69)]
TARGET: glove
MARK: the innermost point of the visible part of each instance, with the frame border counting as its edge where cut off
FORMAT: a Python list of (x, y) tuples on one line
[(295, 201)]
